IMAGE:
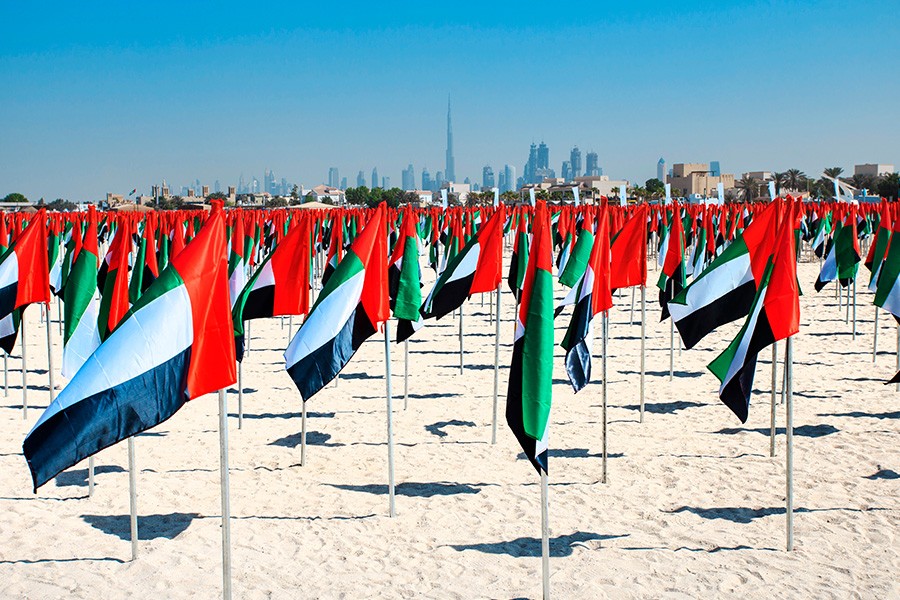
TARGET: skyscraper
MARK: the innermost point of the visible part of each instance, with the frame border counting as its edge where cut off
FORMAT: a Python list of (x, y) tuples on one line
[(343, 183), (374, 177), (360, 179), (509, 176), (439, 179), (661, 170), (592, 165), (501, 181), (334, 179), (487, 177), (530, 166), (385, 183), (543, 156), (567, 170), (269, 182), (575, 162), (714, 169), (409, 178), (450, 173), (427, 183)]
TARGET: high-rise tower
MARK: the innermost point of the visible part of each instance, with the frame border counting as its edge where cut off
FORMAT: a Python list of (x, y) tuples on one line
[(450, 172)]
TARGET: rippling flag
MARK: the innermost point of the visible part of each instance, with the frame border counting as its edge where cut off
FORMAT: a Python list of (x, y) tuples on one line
[(174, 345), (530, 388)]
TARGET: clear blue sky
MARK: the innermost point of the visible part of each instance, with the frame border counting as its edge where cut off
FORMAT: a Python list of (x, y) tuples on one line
[(107, 96)]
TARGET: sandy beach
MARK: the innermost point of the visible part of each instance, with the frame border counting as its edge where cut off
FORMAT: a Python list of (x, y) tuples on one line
[(694, 505)]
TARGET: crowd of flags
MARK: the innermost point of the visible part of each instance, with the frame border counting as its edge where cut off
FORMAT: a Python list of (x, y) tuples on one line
[(155, 305)]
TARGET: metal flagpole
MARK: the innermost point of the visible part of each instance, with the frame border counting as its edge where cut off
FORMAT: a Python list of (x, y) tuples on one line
[(25, 368), (545, 535), (789, 441), (854, 308), (461, 339), (90, 476), (898, 353), (49, 355), (226, 496), (875, 336), (247, 338), (405, 374), (671, 347), (5, 374), (604, 335), (390, 418), (643, 346), (774, 393), (631, 318), (847, 314), (132, 498), (59, 311), (496, 367), (290, 328), (240, 382), (303, 435)]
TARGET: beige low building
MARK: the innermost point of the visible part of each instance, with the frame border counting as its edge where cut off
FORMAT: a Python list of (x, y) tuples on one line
[(696, 178), (873, 169)]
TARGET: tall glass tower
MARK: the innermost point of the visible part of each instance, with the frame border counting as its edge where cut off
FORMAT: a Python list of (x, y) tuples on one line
[(450, 172)]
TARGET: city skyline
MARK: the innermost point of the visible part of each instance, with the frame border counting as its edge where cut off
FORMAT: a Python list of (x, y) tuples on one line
[(107, 97)]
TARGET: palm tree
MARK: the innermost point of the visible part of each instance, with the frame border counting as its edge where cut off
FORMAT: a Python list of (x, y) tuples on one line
[(834, 172), (749, 187), (780, 180), (795, 179)]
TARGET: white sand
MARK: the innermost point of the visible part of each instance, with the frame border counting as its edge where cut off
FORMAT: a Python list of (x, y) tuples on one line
[(694, 506)]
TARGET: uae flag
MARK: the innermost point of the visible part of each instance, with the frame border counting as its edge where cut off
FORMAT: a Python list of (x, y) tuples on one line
[(594, 296), (628, 252), (146, 269), (774, 315), (405, 279), (530, 389), (519, 263), (9, 325), (114, 301), (237, 262), (174, 345), (887, 291), (335, 247), (725, 290), (672, 279), (577, 262), (81, 335), (281, 284), (820, 239), (347, 312), (878, 250), (55, 259), (24, 274), (475, 269), (842, 256)]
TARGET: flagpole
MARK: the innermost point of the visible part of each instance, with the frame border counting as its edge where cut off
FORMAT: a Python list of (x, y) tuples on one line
[(49, 355), (604, 336), (59, 310), (774, 392), (875, 336), (226, 496), (390, 418), (461, 338), (496, 367), (545, 535), (854, 308), (290, 327), (303, 435), (240, 382), (132, 498), (25, 367), (789, 440), (898, 353), (847, 313), (671, 347), (5, 374), (631, 317), (643, 346), (405, 374), (90, 476)]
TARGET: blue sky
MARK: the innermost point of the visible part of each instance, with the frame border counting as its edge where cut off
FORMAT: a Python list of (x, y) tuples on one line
[(110, 96)]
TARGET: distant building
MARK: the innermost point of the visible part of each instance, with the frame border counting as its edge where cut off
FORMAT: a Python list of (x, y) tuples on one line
[(385, 183), (487, 177), (567, 171), (661, 170), (714, 169), (327, 192), (374, 177), (575, 162), (762, 176), (216, 187), (592, 165), (509, 179), (603, 184), (543, 156), (439, 178), (531, 165), (343, 183), (360, 179), (461, 190), (408, 178), (334, 179), (204, 191), (873, 169), (427, 182), (697, 178)]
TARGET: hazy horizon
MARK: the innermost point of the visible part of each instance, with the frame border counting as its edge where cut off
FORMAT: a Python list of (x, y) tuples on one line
[(106, 97)]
